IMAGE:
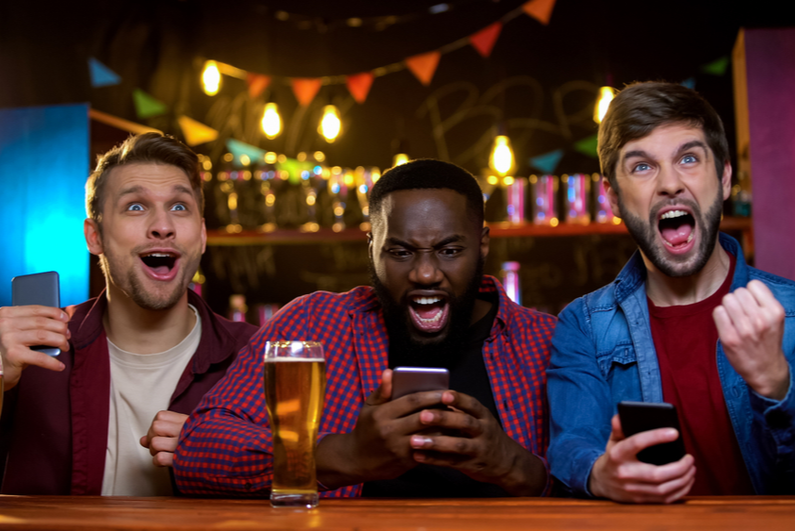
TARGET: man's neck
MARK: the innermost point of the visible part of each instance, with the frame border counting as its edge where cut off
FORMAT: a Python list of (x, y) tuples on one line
[(143, 331), (669, 291)]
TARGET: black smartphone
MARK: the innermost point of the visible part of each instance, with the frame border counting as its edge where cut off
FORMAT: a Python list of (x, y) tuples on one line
[(644, 416), (42, 289), (408, 380)]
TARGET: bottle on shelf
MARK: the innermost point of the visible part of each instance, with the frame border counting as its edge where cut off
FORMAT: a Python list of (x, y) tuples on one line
[(509, 275)]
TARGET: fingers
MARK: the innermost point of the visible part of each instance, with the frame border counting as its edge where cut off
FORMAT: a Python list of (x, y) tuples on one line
[(166, 424), (628, 448), (456, 420), (618, 432), (465, 403), (384, 392), (443, 445), (666, 486), (34, 310)]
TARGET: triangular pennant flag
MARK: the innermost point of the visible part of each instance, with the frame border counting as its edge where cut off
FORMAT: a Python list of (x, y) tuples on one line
[(587, 146), (305, 90), (238, 149), (359, 85), (146, 106), (483, 41), (101, 75), (541, 10), (548, 161), (689, 83), (196, 133), (423, 66), (256, 84), (717, 67)]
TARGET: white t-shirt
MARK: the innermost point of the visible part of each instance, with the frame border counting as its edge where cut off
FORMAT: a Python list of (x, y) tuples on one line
[(140, 386)]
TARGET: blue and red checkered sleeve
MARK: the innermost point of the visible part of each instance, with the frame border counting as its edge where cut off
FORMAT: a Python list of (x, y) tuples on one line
[(226, 447)]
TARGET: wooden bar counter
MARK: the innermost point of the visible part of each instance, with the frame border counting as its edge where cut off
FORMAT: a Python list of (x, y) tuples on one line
[(119, 513)]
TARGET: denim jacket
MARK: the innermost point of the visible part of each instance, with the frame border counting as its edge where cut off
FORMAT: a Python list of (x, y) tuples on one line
[(603, 353)]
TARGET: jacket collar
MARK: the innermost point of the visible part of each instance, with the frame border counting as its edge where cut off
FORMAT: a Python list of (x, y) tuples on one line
[(633, 275)]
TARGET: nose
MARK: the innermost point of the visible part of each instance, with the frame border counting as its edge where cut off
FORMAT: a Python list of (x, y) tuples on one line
[(161, 226), (669, 182), (425, 270)]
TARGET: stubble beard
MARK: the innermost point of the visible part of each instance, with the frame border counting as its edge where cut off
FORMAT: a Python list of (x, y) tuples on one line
[(440, 351), (645, 235)]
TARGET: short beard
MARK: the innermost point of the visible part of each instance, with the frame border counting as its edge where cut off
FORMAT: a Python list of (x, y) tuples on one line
[(436, 353), (645, 236), (136, 292)]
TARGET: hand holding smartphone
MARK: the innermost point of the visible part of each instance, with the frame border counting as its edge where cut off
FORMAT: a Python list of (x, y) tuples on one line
[(637, 417), (408, 380), (41, 289)]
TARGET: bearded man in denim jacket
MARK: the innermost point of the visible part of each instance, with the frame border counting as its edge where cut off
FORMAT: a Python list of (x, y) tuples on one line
[(687, 321)]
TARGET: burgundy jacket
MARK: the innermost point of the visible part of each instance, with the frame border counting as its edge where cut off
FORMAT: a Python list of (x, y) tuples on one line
[(55, 424)]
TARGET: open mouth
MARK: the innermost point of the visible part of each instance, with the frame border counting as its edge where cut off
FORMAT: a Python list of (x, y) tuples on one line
[(677, 228), (160, 264), (429, 314)]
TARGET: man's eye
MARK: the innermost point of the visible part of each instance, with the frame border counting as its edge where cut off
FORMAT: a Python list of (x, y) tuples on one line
[(450, 251), (689, 159), (179, 207), (641, 167), (399, 253), (135, 207)]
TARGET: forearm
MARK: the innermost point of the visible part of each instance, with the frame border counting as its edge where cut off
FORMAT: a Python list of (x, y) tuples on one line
[(338, 463), (527, 475)]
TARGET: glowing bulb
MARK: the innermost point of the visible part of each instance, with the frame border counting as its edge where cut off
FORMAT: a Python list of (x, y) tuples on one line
[(606, 95), (271, 121), (330, 124), (400, 158), (501, 159), (211, 78)]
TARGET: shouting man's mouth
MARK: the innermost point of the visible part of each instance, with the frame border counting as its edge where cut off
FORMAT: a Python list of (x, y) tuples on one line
[(677, 228), (160, 265), (429, 313)]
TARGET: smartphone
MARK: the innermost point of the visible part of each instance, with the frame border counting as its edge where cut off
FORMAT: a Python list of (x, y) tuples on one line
[(408, 380), (644, 416), (40, 288)]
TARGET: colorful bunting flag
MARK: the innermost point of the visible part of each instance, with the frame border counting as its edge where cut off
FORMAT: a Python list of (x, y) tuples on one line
[(483, 41), (689, 83), (541, 10), (256, 84), (195, 132), (423, 66), (238, 149), (548, 161), (717, 67), (359, 85), (305, 90), (101, 75), (146, 106), (587, 146)]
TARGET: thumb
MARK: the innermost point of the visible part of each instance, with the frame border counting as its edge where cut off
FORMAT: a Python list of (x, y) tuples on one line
[(618, 433), (144, 441), (384, 392)]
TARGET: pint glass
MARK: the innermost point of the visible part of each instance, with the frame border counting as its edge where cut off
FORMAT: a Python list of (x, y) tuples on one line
[(295, 383)]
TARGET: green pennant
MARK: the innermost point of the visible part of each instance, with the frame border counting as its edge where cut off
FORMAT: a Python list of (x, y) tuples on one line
[(146, 106), (717, 67), (587, 146)]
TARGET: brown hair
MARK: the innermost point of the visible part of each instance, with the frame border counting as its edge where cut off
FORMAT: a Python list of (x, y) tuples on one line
[(642, 107), (153, 148)]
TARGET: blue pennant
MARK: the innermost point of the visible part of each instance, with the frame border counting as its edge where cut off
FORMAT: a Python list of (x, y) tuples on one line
[(101, 75), (689, 83), (238, 149), (548, 161)]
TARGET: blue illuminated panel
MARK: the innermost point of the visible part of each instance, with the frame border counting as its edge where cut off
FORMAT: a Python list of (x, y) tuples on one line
[(43, 168)]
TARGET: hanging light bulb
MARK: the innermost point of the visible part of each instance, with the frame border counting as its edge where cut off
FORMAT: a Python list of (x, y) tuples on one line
[(330, 124), (400, 158), (271, 121), (211, 78), (501, 159), (606, 95)]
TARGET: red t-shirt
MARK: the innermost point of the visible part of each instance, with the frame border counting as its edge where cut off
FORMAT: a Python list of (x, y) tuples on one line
[(685, 338)]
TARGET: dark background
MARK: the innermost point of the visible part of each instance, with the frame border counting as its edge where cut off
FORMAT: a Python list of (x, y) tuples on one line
[(539, 85)]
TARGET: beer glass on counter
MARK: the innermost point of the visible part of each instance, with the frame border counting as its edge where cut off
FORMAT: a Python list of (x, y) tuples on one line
[(295, 384)]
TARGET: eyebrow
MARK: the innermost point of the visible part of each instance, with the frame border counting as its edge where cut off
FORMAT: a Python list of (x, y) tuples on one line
[(447, 241), (138, 189)]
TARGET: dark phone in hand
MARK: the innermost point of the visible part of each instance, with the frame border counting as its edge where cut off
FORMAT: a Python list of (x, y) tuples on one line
[(408, 380), (39, 288), (637, 417)]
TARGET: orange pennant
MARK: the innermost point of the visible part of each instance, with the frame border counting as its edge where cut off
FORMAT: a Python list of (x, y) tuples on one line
[(305, 90), (359, 85), (423, 66), (483, 41), (256, 84), (541, 10)]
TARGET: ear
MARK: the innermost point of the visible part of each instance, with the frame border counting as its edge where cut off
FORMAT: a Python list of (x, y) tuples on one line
[(485, 238), (726, 180), (370, 244), (612, 198), (93, 238), (204, 236)]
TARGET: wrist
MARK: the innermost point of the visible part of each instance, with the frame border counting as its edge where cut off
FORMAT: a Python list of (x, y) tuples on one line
[(336, 461), (526, 475), (775, 384), (593, 479)]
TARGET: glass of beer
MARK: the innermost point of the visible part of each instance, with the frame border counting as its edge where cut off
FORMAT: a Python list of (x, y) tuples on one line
[(295, 384)]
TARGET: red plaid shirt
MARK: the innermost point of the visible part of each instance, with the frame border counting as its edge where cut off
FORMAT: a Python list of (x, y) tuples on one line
[(226, 448)]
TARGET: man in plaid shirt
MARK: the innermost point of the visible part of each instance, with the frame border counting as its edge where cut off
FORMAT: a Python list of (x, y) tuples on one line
[(430, 305)]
